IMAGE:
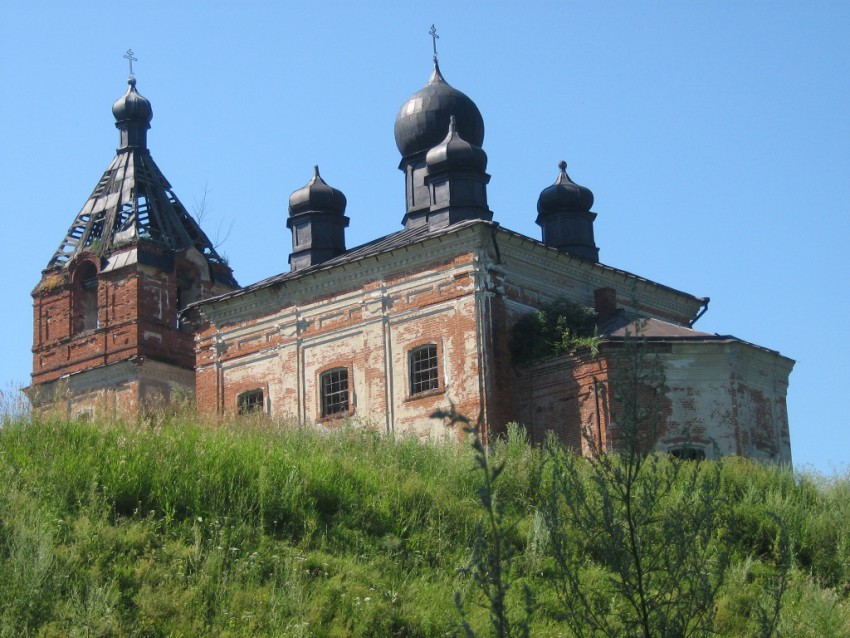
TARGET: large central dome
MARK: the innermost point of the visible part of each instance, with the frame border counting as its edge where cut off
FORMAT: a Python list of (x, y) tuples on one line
[(423, 120)]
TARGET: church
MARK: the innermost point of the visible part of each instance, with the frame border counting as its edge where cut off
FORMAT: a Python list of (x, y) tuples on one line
[(136, 307)]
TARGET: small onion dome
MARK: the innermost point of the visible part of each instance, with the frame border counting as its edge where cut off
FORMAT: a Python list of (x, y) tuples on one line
[(423, 119), (564, 196), (132, 107), (456, 152), (317, 197)]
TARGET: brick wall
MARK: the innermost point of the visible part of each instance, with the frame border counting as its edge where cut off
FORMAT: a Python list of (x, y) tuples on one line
[(134, 318), (367, 330)]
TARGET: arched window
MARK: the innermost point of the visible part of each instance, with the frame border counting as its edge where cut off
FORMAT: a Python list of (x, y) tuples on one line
[(251, 402), (334, 389), (85, 298), (424, 372)]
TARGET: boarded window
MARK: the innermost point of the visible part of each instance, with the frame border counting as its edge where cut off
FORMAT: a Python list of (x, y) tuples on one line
[(334, 384), (424, 371), (250, 402)]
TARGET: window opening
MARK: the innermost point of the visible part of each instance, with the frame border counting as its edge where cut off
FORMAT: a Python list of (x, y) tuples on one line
[(687, 454), (188, 291), (424, 371), (250, 402), (85, 298), (334, 385)]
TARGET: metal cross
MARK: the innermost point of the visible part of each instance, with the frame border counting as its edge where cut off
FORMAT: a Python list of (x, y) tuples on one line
[(131, 59), (434, 38)]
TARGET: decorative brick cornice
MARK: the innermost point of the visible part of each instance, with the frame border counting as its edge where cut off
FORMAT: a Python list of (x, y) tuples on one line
[(345, 278)]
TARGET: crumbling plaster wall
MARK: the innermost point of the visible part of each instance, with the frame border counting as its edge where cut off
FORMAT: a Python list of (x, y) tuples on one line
[(282, 339), (521, 276), (528, 274), (728, 398), (136, 321), (724, 397), (463, 293), (125, 389)]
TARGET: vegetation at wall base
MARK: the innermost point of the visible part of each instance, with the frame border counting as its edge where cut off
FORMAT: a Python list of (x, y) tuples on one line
[(252, 528)]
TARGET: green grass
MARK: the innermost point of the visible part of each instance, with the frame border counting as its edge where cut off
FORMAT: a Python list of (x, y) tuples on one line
[(253, 529)]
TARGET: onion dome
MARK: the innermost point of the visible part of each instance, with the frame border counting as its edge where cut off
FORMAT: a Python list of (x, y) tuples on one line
[(564, 215), (317, 196), (132, 107), (422, 121), (317, 221), (564, 196), (455, 152)]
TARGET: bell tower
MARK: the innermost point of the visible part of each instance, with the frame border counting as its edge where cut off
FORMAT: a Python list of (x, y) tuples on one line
[(107, 339)]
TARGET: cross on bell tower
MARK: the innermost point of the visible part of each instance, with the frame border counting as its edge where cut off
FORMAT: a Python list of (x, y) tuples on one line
[(130, 58)]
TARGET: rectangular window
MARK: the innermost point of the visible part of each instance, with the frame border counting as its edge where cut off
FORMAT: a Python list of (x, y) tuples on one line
[(334, 384), (424, 372), (251, 401), (687, 453)]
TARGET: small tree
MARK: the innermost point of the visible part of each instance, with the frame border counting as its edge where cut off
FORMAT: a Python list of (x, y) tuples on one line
[(636, 536)]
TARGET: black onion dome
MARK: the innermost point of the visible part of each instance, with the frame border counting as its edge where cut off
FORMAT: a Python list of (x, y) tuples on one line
[(423, 119), (317, 196), (564, 196), (456, 152), (132, 107)]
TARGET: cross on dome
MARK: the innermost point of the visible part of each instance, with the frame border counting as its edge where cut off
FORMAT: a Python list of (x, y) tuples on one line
[(130, 58), (434, 38)]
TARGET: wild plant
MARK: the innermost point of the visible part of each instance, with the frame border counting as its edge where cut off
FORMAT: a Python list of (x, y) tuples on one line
[(491, 565), (637, 538)]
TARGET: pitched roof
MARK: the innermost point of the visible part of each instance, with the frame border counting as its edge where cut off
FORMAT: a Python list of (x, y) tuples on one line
[(624, 325), (409, 236)]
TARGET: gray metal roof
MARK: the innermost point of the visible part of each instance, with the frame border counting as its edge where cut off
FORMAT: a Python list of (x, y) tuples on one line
[(625, 325), (410, 236)]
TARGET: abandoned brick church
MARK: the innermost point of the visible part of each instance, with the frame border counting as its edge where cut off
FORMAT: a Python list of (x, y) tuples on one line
[(136, 303)]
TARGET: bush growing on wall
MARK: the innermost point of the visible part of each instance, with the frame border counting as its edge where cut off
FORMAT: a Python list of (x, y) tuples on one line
[(558, 327)]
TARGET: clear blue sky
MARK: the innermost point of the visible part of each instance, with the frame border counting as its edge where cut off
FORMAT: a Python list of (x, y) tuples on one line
[(714, 135)]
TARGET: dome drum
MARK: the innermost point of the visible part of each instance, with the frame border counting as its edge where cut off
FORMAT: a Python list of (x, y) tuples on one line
[(317, 221), (456, 180)]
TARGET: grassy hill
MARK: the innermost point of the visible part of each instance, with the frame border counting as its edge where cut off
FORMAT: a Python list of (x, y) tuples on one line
[(175, 528)]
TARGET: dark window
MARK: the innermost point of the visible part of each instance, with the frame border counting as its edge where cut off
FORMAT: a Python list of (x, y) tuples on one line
[(334, 391), (687, 454), (424, 372), (251, 401), (85, 298)]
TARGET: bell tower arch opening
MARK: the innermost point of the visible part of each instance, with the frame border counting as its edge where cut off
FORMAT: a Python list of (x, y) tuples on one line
[(84, 298)]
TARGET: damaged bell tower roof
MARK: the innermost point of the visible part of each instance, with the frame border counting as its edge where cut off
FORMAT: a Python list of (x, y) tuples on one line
[(133, 200)]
